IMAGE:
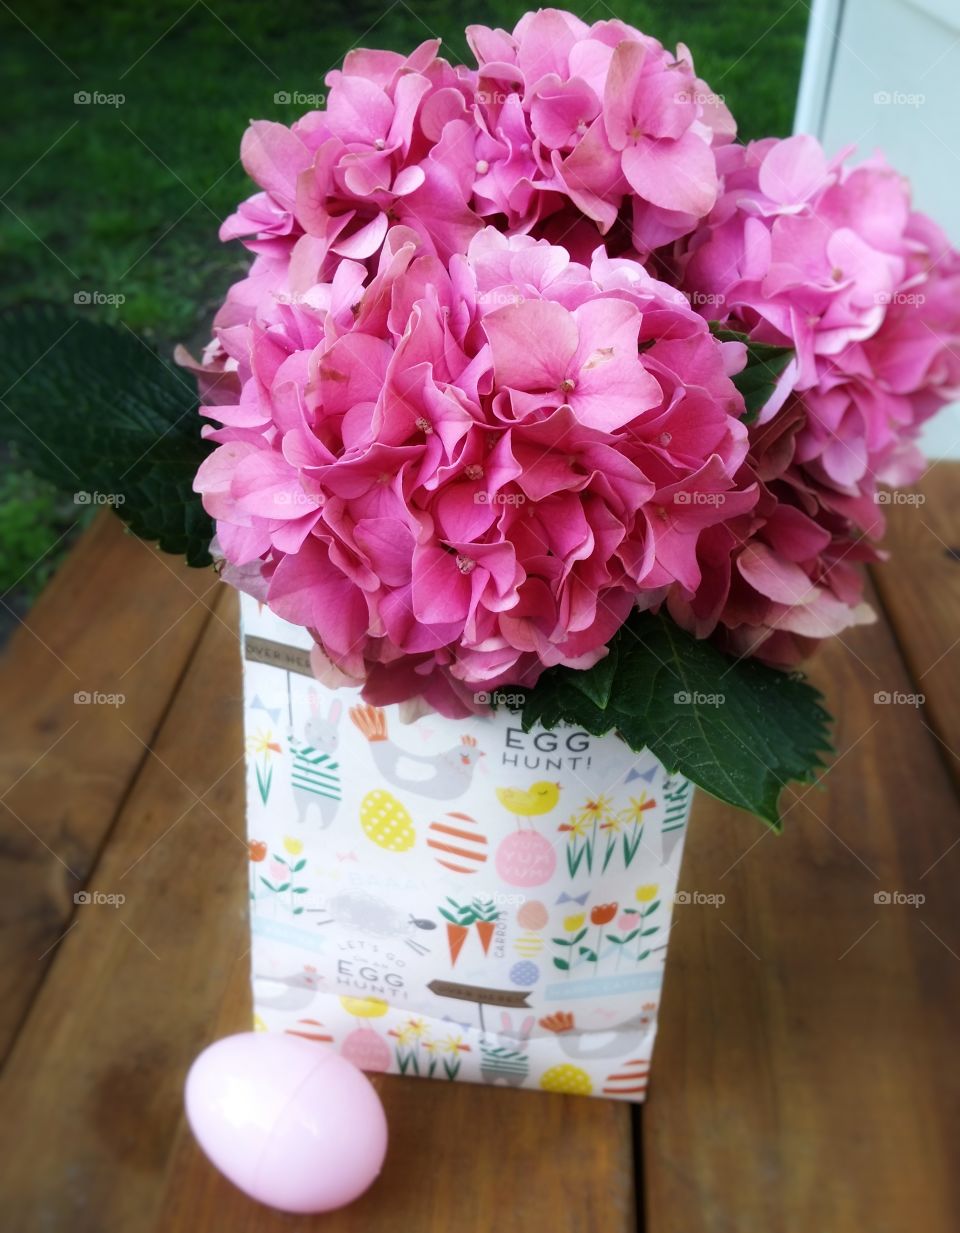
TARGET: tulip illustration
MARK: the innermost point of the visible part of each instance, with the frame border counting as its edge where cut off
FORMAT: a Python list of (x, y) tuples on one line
[(257, 850), (601, 915), (293, 847)]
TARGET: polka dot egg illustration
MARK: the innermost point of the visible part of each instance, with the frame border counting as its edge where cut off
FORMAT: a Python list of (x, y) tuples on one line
[(526, 859), (571, 1080), (386, 822), (525, 973)]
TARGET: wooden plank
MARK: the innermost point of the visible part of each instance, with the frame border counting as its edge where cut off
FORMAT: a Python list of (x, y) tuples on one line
[(461, 1156), (805, 1075), (92, 1088), (920, 592), (115, 620)]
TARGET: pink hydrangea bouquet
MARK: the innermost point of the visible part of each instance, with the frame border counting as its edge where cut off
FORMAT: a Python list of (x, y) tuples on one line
[(541, 384)]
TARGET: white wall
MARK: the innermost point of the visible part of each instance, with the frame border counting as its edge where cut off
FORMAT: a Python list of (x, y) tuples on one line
[(885, 74)]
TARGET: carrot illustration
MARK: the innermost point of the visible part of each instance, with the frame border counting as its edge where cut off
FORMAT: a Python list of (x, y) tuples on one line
[(486, 929), (485, 917), (459, 921), (456, 936)]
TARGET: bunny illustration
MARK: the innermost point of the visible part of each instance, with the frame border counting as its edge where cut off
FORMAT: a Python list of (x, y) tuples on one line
[(441, 777), (316, 773), (508, 1063)]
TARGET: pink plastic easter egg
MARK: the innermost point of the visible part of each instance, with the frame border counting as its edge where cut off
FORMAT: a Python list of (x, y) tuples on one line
[(526, 859), (291, 1123)]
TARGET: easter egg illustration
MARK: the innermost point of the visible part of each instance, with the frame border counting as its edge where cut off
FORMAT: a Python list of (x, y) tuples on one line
[(533, 915), (526, 859), (366, 1049), (364, 1008), (528, 945), (386, 822), (457, 843), (566, 1078), (629, 1080), (525, 973)]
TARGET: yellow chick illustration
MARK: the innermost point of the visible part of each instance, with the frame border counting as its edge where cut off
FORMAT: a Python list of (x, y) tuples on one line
[(540, 798)]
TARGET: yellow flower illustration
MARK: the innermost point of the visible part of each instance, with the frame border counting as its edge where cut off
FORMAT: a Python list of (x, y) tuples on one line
[(292, 846), (645, 894), (431, 1046), (262, 742), (573, 923), (454, 1044), (416, 1028), (637, 808), (577, 826), (596, 810)]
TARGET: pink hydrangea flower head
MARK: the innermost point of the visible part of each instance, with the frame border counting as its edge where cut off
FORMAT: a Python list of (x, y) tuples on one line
[(458, 474), (601, 118)]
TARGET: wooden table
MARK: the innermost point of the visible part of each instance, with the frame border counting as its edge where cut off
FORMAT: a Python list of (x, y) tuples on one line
[(806, 1075)]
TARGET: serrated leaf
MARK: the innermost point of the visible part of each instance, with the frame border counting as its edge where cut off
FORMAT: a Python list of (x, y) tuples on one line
[(737, 728), (766, 364), (94, 410), (597, 682)]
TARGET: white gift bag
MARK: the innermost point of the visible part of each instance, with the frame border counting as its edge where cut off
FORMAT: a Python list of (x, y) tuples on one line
[(453, 899)]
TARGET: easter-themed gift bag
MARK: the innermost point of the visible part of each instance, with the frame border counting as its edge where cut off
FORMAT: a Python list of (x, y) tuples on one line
[(453, 899)]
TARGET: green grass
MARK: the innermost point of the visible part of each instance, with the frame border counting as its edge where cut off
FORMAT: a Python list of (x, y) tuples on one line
[(126, 201), (123, 202)]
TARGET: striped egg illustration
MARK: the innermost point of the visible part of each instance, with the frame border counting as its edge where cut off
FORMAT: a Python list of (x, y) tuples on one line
[(457, 843), (386, 822), (528, 945), (629, 1080)]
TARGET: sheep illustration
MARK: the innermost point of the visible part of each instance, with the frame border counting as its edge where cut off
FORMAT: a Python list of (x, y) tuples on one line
[(440, 777), (315, 773)]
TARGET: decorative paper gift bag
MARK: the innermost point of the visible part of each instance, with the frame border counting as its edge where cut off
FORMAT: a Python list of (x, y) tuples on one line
[(453, 899)]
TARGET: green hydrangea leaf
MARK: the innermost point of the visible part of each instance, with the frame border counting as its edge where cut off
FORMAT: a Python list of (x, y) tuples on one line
[(737, 728), (95, 411)]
